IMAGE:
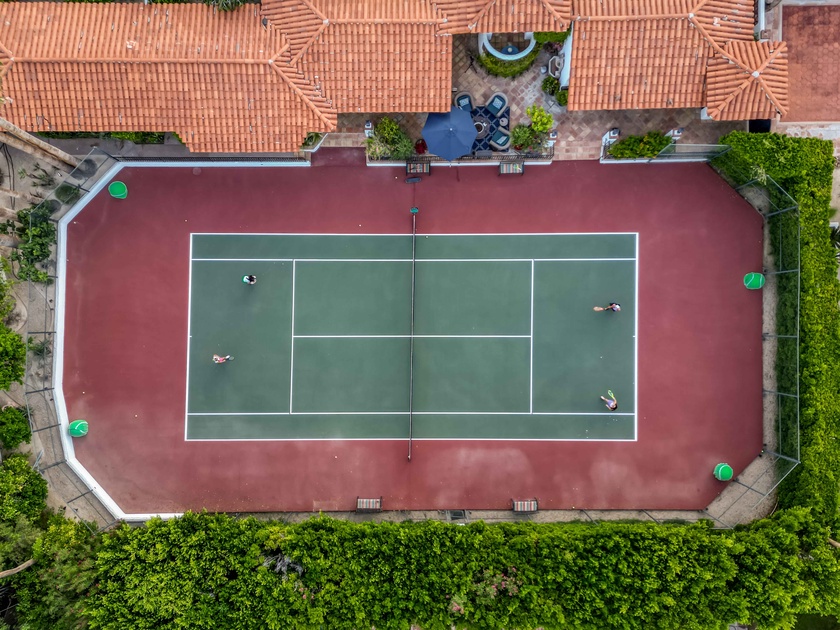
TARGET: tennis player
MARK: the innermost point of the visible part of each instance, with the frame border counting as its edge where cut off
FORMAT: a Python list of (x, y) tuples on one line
[(220, 359), (615, 307), (610, 402)]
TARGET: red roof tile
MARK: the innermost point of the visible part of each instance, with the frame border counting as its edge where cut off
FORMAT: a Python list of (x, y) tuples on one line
[(504, 16), (748, 80), (133, 67), (637, 54), (378, 56)]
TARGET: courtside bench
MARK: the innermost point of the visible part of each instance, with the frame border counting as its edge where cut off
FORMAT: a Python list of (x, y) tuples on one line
[(367, 506), (525, 506), (512, 168)]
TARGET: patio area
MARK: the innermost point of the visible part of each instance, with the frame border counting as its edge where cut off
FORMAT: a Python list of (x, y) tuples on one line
[(578, 133)]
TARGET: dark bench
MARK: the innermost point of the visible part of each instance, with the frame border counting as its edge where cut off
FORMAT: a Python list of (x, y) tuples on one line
[(418, 168)]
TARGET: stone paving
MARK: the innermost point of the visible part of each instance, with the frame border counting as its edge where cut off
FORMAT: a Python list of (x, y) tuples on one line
[(579, 133)]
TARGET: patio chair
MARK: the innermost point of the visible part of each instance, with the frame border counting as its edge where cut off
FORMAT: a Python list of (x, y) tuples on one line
[(497, 104), (500, 140), (464, 101)]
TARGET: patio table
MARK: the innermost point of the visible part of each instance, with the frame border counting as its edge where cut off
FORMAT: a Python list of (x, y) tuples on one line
[(482, 126), (482, 141)]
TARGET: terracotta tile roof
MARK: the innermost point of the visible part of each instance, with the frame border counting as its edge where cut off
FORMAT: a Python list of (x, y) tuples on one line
[(748, 80), (637, 64), (375, 56), (504, 16), (258, 79), (222, 82), (639, 54)]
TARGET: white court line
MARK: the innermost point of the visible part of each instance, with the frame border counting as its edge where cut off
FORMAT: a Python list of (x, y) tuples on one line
[(419, 260), (189, 337), (404, 234), (531, 383), (292, 366), (415, 336), (402, 439), (636, 350), (416, 413)]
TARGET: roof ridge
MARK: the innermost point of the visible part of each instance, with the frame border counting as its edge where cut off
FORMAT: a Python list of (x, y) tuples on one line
[(550, 9), (632, 18), (303, 49), (481, 14), (302, 95), (4, 67)]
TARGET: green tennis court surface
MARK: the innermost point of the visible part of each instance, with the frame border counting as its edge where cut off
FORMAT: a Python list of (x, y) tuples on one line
[(506, 344)]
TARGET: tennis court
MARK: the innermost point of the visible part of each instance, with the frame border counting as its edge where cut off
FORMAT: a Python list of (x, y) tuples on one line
[(506, 345)]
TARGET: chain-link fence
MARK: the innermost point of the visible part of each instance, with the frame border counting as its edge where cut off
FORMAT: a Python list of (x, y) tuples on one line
[(50, 440), (780, 341)]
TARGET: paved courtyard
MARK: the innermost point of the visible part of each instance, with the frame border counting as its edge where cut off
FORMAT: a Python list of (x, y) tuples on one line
[(579, 133)]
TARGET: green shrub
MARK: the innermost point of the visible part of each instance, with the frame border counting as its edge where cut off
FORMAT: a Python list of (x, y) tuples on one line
[(551, 86), (213, 571), (646, 146), (14, 428), (544, 37), (137, 137), (508, 69), (804, 168), (23, 492), (312, 139), (37, 236), (522, 137), (12, 357), (541, 120), (225, 5), (7, 296), (563, 98), (53, 593), (389, 141), (68, 194)]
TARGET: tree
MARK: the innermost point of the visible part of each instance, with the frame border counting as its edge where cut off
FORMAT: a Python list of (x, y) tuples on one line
[(22, 490), (12, 357), (14, 428)]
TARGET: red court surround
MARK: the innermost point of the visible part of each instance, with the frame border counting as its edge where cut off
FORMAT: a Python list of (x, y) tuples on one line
[(699, 392)]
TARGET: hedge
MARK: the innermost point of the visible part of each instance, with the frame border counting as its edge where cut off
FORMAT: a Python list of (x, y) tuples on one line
[(509, 69), (23, 492), (203, 571), (647, 146), (804, 168)]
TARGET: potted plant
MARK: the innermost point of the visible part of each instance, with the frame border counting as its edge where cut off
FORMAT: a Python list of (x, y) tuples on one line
[(313, 141)]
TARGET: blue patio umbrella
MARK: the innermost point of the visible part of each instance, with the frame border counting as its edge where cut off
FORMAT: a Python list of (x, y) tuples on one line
[(450, 135)]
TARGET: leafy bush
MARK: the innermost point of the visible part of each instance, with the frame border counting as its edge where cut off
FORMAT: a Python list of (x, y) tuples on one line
[(522, 137), (563, 98), (37, 235), (52, 594), (312, 138), (7, 297), (646, 146), (389, 141), (509, 69), (14, 428), (68, 194), (225, 5), (12, 357), (137, 137), (203, 571), (544, 37), (551, 86), (541, 120), (23, 492), (804, 168)]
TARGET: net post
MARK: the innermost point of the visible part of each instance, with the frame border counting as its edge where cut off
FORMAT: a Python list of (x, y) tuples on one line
[(414, 212)]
